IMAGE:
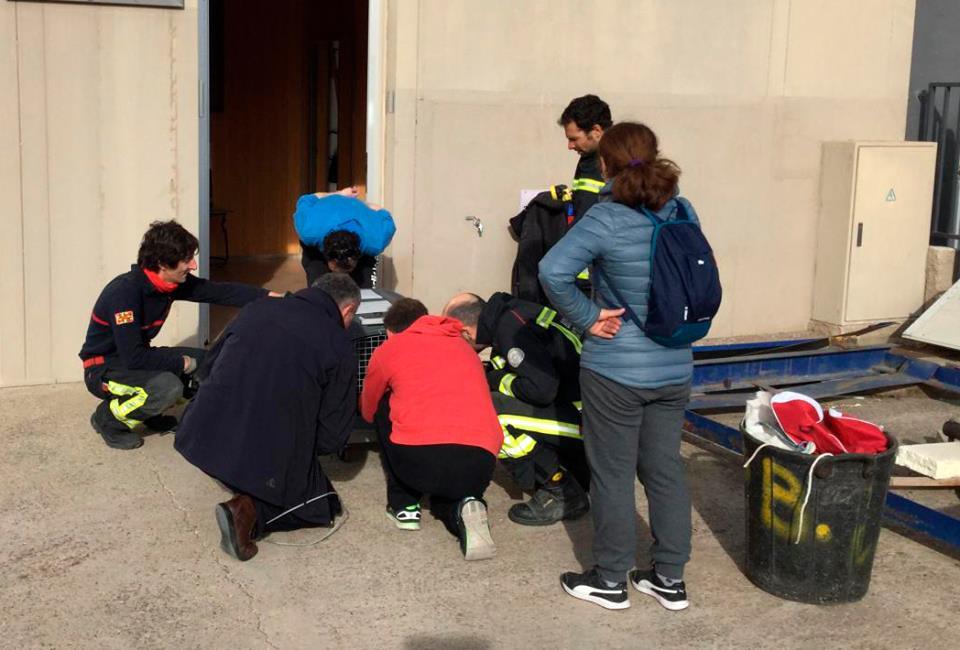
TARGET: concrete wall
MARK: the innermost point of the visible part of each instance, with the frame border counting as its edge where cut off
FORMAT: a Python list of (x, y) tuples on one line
[(741, 93), (936, 52), (98, 137)]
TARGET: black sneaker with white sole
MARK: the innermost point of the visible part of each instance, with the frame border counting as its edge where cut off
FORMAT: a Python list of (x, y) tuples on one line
[(592, 588), (648, 582)]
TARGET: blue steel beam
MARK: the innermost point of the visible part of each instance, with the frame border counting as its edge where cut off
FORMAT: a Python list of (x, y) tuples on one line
[(759, 367), (907, 513)]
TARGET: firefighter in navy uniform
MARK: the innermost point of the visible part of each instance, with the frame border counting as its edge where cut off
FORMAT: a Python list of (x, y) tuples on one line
[(136, 381), (584, 120), (551, 213), (534, 377)]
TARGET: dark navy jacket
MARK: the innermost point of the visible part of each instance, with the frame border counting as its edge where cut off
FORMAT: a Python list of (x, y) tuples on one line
[(130, 312), (281, 390)]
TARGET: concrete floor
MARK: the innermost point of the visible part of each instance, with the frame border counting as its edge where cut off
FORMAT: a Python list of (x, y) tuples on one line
[(119, 549)]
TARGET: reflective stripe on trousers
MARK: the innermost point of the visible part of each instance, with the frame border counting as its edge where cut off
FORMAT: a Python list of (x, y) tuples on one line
[(518, 444), (137, 397)]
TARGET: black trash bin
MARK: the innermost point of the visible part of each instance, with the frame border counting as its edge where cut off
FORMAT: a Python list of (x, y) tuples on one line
[(828, 557)]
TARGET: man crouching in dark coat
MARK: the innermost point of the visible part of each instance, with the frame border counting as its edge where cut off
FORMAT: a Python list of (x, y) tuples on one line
[(281, 389)]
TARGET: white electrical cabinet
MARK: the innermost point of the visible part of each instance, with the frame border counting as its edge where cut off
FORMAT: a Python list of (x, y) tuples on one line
[(873, 231)]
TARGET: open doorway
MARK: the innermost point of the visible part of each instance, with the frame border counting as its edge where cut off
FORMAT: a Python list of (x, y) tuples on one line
[(288, 86)]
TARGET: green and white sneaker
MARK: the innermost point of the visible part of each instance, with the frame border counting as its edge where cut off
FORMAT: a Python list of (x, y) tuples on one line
[(405, 518)]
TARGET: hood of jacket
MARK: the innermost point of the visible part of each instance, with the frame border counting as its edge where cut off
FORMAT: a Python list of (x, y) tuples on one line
[(435, 326), (490, 316)]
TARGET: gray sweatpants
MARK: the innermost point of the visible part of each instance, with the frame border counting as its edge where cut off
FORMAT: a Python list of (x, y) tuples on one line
[(631, 432)]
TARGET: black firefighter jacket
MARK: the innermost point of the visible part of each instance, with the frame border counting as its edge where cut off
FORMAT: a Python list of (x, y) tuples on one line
[(541, 225), (281, 390), (533, 358)]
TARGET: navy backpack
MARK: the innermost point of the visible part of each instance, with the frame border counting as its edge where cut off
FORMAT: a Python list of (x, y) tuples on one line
[(684, 282)]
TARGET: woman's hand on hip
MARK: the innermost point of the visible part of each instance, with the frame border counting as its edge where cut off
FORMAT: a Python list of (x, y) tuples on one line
[(608, 323)]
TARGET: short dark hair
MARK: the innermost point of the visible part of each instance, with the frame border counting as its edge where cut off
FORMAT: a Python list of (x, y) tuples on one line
[(342, 247), (403, 313), (585, 112), (340, 287), (468, 312), (167, 243)]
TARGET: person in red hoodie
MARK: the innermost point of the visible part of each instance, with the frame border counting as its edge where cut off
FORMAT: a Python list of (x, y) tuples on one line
[(426, 393)]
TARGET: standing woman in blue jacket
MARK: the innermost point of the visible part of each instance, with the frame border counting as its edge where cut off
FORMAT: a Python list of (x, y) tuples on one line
[(634, 390)]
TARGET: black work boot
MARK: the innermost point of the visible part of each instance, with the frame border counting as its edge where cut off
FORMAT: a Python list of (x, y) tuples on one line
[(114, 433), (555, 501), (161, 423)]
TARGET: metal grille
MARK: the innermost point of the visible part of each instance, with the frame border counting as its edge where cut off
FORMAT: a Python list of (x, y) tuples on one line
[(940, 123), (365, 347)]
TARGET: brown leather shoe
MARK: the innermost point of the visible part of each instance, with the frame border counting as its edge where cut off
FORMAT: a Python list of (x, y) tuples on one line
[(236, 519)]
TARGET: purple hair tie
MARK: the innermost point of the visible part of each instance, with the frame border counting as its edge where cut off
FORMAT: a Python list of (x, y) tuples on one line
[(636, 162)]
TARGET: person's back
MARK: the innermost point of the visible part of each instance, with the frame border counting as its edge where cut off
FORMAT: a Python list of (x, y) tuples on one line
[(293, 341), (438, 390), (279, 391), (427, 395)]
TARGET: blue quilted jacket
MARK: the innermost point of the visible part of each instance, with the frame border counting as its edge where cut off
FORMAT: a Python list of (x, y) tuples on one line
[(616, 238)]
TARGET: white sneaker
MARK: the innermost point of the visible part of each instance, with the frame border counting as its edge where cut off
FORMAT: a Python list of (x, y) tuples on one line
[(476, 543)]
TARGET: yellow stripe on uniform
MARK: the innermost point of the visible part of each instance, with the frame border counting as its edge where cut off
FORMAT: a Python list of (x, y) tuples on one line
[(545, 317), (498, 362), (573, 338), (121, 410), (587, 185), (515, 446), (537, 425), (584, 274), (505, 384)]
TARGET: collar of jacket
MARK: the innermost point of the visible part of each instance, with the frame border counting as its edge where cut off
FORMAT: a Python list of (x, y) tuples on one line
[(490, 316), (152, 280), (320, 299)]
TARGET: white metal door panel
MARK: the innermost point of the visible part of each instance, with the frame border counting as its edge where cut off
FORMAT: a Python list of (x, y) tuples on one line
[(890, 231)]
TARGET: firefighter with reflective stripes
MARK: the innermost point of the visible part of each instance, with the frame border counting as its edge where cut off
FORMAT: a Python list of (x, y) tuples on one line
[(135, 380), (584, 120), (534, 378)]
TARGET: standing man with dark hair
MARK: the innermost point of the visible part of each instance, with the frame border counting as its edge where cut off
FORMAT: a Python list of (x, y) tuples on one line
[(281, 392), (584, 120), (138, 382), (535, 362)]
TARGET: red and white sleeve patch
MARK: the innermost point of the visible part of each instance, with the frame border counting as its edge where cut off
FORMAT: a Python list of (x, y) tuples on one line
[(123, 317)]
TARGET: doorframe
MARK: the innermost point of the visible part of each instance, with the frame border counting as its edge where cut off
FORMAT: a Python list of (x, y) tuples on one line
[(203, 62), (375, 140), (376, 102)]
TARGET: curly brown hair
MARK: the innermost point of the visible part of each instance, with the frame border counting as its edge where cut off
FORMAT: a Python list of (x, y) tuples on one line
[(631, 159), (166, 243)]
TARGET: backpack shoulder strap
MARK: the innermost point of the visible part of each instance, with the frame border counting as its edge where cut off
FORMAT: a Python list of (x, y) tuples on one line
[(616, 293)]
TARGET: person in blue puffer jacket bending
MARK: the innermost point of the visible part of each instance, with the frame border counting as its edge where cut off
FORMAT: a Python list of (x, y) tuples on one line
[(340, 233), (634, 391)]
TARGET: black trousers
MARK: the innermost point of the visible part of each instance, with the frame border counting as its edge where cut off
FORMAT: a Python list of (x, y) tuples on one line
[(132, 396), (319, 508), (539, 440), (448, 473)]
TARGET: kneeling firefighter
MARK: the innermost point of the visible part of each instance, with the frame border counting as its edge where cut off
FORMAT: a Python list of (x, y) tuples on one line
[(534, 377)]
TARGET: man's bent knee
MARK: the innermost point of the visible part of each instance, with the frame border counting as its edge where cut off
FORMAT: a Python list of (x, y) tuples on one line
[(163, 391)]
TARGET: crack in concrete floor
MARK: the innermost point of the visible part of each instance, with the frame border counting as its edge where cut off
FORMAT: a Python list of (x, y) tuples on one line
[(215, 553)]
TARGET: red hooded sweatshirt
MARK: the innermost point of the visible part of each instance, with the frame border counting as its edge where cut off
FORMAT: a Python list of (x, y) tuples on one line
[(438, 390)]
